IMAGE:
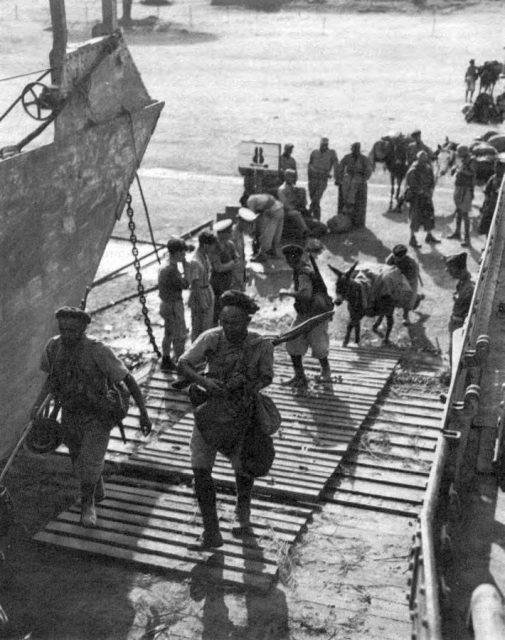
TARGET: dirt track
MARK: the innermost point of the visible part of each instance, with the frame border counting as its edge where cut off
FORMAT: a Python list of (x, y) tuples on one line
[(292, 76)]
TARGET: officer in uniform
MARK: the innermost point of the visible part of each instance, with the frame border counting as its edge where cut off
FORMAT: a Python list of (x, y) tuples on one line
[(456, 267)]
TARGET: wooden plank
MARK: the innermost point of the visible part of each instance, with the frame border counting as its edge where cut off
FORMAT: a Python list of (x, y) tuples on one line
[(153, 561), (373, 504), (258, 560)]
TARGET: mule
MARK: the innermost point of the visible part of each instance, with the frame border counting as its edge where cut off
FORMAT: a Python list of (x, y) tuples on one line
[(360, 302), (484, 162), (489, 74), (392, 151)]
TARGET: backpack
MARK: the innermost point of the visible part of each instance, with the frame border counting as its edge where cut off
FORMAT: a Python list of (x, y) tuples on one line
[(118, 400)]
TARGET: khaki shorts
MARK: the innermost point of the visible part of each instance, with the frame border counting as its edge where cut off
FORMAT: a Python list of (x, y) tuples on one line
[(317, 339), (173, 315), (203, 455)]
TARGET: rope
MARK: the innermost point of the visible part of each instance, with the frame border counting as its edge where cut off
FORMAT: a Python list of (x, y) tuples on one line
[(153, 241), (30, 73)]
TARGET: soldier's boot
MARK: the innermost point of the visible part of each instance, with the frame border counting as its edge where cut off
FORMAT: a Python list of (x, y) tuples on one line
[(466, 241), (167, 364), (100, 491), (457, 233), (299, 380), (243, 505), (325, 375), (179, 346), (88, 511), (206, 496)]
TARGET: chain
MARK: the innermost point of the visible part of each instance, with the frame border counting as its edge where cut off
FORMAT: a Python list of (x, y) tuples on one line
[(138, 275)]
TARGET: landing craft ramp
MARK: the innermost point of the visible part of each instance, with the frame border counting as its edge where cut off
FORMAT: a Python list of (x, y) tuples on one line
[(152, 523)]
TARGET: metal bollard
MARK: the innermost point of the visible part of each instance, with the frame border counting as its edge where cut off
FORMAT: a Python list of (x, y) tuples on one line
[(487, 617)]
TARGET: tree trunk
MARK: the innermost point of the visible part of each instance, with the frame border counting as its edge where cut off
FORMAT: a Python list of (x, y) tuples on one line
[(127, 12)]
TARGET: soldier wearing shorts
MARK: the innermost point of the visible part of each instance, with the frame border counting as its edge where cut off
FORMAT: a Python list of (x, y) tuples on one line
[(201, 297), (171, 284), (239, 363), (305, 288), (80, 371)]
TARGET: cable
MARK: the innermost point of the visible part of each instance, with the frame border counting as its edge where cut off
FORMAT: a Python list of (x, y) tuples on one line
[(30, 73)]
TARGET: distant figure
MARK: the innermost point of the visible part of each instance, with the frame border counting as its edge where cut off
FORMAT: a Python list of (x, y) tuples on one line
[(410, 269), (471, 75), (417, 145), (309, 295), (464, 185), (289, 195), (287, 161), (201, 296), (491, 191), (171, 283), (80, 372), (420, 184), (269, 225), (321, 163), (243, 225), (354, 172), (223, 259), (456, 267)]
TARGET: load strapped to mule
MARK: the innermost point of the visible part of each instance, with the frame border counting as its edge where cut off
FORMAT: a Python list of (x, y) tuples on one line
[(379, 281), (485, 109)]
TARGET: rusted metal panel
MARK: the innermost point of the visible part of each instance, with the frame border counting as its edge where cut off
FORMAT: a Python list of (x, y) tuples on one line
[(58, 206)]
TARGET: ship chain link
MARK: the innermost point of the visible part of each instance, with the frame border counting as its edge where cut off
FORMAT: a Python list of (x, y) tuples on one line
[(138, 275)]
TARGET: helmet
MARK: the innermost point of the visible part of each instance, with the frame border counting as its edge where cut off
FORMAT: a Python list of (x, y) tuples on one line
[(44, 436)]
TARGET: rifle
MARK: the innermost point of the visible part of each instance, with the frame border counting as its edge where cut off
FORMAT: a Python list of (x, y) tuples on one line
[(302, 328)]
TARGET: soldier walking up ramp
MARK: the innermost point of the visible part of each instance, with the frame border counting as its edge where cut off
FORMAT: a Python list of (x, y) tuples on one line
[(152, 523)]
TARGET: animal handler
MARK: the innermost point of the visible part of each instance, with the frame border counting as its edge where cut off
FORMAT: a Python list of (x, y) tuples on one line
[(80, 371), (310, 299), (410, 269)]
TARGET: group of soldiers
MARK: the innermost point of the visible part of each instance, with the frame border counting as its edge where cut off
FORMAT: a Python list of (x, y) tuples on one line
[(280, 202), (239, 362), (226, 362)]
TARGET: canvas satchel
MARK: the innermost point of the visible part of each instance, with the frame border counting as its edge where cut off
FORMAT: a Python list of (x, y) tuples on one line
[(257, 451), (267, 414)]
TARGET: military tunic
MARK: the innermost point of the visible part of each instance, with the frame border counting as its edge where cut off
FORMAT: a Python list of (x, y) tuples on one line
[(221, 357), (319, 168), (201, 297), (78, 378), (170, 286), (355, 171)]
